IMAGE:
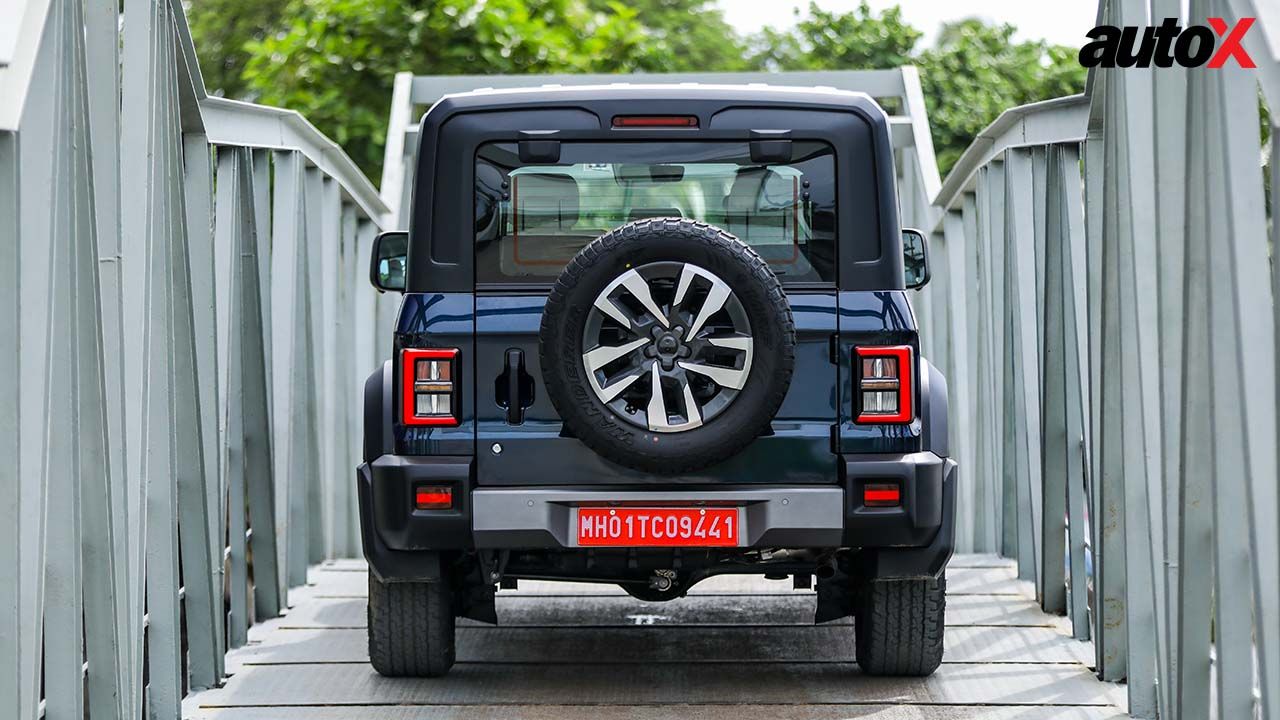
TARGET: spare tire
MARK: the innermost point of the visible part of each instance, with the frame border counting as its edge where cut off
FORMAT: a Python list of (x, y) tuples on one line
[(667, 345)]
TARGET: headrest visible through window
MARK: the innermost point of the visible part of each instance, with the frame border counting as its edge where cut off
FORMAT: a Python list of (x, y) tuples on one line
[(544, 200)]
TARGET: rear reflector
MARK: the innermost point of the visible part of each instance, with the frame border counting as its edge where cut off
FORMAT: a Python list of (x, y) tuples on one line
[(655, 121), (881, 495), (433, 497)]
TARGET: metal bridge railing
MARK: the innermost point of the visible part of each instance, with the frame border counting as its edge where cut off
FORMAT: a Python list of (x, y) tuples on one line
[(187, 329), (1107, 303)]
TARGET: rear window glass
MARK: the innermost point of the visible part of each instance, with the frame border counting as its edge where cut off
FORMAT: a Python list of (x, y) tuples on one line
[(532, 219)]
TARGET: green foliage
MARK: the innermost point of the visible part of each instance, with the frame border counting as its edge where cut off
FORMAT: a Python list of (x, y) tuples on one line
[(335, 60), (973, 73), (222, 30), (825, 40), (976, 71), (686, 35)]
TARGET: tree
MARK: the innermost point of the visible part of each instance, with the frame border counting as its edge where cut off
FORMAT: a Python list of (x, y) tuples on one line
[(824, 40), (976, 71), (973, 73), (222, 30), (687, 35), (335, 61)]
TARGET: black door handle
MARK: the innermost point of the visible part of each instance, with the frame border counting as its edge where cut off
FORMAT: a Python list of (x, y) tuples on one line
[(515, 399)]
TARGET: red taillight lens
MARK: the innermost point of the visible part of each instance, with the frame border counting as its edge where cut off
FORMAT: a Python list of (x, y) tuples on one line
[(881, 495), (655, 121), (884, 384), (433, 497), (430, 388)]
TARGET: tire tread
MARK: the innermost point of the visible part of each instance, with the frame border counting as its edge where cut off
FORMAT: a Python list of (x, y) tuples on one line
[(411, 628), (900, 626)]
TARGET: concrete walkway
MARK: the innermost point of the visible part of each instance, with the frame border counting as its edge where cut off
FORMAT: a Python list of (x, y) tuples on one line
[(736, 648)]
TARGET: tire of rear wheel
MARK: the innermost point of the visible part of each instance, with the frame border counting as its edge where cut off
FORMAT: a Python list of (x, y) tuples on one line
[(410, 628), (679, 240), (899, 626)]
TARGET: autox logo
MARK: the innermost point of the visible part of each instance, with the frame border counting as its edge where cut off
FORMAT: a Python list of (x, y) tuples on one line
[(1167, 43)]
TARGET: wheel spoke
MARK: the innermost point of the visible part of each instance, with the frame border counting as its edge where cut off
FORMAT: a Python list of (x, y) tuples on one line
[(716, 299), (657, 410), (601, 356), (687, 274), (639, 288), (606, 306), (616, 388), (722, 376), (692, 416), (737, 342)]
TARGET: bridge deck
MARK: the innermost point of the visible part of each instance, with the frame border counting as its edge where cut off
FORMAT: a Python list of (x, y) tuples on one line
[(736, 648)]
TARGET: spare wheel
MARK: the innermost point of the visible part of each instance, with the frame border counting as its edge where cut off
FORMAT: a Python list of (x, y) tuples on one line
[(667, 345)]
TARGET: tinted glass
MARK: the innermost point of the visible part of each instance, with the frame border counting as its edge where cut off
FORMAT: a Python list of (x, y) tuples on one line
[(532, 219)]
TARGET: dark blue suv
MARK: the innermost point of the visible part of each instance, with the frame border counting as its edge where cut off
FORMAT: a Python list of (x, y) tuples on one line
[(652, 334)]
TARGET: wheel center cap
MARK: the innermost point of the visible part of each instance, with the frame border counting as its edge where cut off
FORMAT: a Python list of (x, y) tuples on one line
[(668, 344)]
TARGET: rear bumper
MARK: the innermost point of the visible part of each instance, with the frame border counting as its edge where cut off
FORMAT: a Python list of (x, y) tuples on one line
[(543, 518), (898, 541)]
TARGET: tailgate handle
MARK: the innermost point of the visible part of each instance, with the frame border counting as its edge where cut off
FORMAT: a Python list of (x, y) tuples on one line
[(515, 387)]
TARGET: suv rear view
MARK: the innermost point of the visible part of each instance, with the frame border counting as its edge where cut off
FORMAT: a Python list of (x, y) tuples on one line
[(653, 334)]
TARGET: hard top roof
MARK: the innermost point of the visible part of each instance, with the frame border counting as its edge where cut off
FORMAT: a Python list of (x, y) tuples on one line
[(583, 95)]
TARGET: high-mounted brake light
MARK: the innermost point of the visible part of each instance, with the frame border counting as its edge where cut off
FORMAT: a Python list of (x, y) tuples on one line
[(884, 384), (655, 121), (429, 378)]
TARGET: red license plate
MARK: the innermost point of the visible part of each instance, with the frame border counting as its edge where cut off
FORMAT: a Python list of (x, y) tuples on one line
[(658, 527)]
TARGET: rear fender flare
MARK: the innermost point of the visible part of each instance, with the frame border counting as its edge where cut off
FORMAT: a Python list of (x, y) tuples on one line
[(933, 410), (379, 435)]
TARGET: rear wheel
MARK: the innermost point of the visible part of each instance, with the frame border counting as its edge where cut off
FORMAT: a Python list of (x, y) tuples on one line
[(899, 626), (410, 628)]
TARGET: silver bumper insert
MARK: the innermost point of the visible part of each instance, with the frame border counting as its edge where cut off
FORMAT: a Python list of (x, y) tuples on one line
[(543, 517)]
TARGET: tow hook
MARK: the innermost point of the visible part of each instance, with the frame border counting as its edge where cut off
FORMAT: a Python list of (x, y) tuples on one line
[(662, 580)]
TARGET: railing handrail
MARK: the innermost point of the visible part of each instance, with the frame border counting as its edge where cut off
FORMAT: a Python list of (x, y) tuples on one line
[(232, 122), (1063, 119)]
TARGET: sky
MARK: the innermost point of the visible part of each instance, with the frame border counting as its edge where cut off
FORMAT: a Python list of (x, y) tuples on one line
[(1063, 22)]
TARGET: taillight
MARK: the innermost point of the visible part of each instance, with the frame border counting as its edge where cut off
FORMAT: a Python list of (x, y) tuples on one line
[(884, 384), (430, 385)]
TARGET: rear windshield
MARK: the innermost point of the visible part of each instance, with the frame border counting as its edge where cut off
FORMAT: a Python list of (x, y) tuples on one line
[(532, 219)]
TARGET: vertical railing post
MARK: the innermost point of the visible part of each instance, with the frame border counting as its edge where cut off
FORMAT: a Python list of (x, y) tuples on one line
[(1022, 364), (313, 421), (233, 222), (1169, 88), (1243, 385), (13, 549), (1076, 356), (964, 416), (199, 493), (1057, 446)]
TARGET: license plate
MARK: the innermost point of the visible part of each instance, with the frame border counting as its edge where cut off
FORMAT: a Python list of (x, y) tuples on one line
[(658, 527)]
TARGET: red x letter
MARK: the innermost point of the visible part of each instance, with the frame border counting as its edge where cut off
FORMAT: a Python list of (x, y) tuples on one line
[(1230, 46)]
